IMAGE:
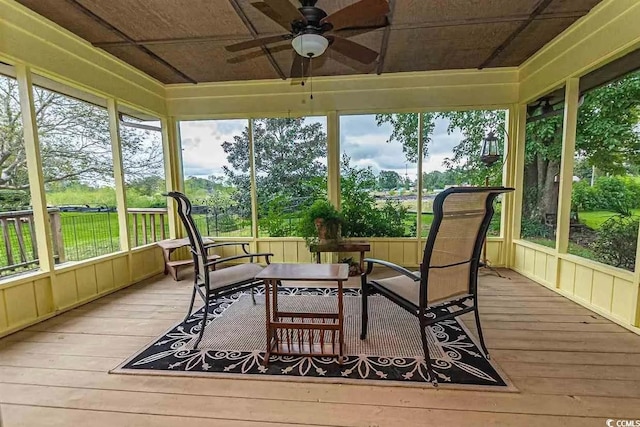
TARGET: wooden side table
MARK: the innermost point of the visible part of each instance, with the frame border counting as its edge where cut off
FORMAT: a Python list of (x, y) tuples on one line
[(303, 333), (169, 246), (342, 246)]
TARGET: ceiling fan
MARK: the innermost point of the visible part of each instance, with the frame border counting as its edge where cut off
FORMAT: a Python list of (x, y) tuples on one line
[(312, 31)]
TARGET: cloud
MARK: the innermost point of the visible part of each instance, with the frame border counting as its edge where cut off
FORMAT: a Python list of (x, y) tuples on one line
[(202, 153), (360, 138)]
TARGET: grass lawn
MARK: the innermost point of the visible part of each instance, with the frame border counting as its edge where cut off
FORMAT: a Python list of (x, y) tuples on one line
[(595, 219)]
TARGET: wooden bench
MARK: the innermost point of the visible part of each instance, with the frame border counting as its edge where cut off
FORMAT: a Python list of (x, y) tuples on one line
[(169, 246), (172, 266)]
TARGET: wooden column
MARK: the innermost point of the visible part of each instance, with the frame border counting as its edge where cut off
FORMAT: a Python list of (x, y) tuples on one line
[(636, 286), (420, 183), (519, 123), (572, 93), (254, 190), (333, 158), (508, 180), (118, 174), (171, 148), (42, 225)]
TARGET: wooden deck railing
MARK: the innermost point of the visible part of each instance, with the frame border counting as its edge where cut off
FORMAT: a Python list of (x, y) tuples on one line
[(148, 225), (20, 245)]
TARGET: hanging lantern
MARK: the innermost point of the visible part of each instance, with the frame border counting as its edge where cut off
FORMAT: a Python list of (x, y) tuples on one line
[(490, 150)]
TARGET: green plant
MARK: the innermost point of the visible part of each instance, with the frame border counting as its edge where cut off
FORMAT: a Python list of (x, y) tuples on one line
[(534, 228), (616, 242), (321, 214)]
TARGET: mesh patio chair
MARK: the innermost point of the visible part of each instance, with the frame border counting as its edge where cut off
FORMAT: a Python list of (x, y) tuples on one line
[(446, 285), (219, 282)]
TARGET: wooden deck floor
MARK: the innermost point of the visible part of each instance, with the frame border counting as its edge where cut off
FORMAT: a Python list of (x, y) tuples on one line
[(572, 367)]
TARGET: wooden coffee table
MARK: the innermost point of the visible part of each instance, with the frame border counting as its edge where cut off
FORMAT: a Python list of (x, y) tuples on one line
[(303, 333)]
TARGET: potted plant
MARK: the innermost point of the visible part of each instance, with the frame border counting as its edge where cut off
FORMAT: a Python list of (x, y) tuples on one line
[(320, 223)]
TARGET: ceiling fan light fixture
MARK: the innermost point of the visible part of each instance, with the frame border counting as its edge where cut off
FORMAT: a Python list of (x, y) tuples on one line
[(310, 45)]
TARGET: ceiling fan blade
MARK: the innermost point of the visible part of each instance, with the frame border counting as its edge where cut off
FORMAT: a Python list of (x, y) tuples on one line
[(286, 11), (268, 11), (299, 67), (257, 42), (352, 50), (359, 14)]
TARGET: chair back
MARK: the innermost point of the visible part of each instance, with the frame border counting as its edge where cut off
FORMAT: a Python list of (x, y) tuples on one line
[(195, 239), (452, 253)]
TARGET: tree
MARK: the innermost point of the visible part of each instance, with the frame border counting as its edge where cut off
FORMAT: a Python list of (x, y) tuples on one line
[(74, 141), (389, 180), (288, 162), (363, 218), (607, 138)]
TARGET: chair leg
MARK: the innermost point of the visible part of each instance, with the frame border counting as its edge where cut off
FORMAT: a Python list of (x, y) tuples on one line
[(364, 289), (204, 324), (193, 300), (253, 295), (427, 357), (484, 347)]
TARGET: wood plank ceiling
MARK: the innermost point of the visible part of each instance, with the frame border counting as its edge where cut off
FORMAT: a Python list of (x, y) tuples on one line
[(182, 41)]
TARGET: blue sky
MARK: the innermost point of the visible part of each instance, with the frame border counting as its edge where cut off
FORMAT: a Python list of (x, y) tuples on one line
[(360, 137)]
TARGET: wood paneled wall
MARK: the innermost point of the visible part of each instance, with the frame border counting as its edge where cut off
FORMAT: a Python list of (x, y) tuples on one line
[(38, 296), (606, 290)]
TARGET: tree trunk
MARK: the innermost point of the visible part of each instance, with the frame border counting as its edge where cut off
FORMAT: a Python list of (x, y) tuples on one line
[(541, 192)]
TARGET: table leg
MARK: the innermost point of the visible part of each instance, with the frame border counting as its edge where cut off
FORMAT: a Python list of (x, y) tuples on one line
[(361, 262), (317, 257), (276, 315), (267, 309), (340, 323)]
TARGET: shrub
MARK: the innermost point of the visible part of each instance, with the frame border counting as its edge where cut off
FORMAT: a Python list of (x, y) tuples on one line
[(615, 195), (584, 197), (362, 217), (275, 220), (534, 228), (14, 199), (616, 242)]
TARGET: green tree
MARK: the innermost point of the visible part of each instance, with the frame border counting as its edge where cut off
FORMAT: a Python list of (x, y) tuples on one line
[(607, 138), (287, 161), (74, 141), (388, 180)]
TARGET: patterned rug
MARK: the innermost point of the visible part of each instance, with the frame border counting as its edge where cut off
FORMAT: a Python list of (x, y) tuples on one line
[(234, 342)]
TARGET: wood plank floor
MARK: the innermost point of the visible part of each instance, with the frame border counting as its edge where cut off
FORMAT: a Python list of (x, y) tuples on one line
[(571, 366)]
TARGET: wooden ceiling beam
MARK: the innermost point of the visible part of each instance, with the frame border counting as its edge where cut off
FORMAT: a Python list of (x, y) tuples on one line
[(128, 39), (254, 33), (385, 38), (542, 5), (225, 39)]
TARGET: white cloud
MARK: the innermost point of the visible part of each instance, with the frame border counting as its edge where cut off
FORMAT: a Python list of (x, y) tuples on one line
[(360, 137)]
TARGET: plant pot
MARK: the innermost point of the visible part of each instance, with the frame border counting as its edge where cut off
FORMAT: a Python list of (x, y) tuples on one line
[(327, 233)]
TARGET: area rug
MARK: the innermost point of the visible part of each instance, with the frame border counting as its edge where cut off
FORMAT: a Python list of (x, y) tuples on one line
[(234, 343)]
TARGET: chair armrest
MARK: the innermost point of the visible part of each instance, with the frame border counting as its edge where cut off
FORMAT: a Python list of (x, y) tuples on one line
[(402, 270), (245, 245), (230, 258)]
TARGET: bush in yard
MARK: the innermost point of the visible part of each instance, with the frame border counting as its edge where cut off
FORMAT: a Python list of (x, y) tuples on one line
[(615, 194), (362, 217), (584, 197), (616, 242), (534, 228)]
